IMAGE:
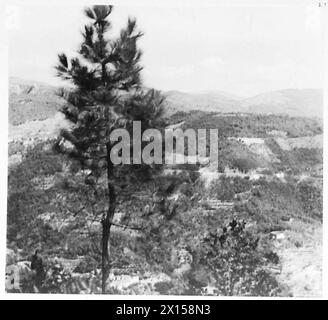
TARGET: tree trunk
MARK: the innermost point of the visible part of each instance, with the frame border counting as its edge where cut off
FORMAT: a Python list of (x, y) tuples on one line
[(106, 225)]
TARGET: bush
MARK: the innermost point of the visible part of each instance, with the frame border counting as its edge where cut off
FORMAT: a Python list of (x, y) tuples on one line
[(244, 164), (87, 264), (237, 264), (225, 188), (311, 199)]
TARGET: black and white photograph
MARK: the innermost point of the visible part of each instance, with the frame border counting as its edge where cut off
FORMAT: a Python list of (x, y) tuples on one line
[(164, 149)]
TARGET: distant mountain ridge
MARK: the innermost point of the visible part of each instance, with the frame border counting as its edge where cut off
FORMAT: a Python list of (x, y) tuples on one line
[(208, 101), (293, 102), (32, 100)]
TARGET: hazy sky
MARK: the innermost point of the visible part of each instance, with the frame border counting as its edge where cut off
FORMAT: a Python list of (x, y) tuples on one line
[(241, 50)]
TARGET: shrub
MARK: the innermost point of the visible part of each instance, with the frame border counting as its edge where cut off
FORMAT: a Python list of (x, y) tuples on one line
[(245, 164), (225, 188), (311, 199), (237, 264), (87, 264)]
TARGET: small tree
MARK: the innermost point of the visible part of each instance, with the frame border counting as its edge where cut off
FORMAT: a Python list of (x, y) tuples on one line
[(107, 95)]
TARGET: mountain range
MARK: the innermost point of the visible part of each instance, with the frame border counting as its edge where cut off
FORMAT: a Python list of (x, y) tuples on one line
[(31, 100), (293, 102)]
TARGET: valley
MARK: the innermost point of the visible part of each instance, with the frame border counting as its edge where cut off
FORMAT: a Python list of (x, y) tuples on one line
[(181, 232)]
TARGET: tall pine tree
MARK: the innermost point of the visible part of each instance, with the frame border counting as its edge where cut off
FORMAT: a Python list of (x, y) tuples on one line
[(107, 95)]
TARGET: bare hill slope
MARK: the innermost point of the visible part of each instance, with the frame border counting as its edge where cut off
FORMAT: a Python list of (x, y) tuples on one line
[(294, 102), (30, 100)]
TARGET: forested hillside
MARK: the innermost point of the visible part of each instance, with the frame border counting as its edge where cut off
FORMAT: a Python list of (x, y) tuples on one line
[(190, 229)]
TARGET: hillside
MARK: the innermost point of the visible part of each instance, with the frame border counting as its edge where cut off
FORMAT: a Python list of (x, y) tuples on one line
[(263, 201), (302, 103), (209, 101), (31, 100)]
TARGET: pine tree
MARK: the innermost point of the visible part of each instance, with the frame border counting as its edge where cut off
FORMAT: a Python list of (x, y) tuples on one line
[(107, 95)]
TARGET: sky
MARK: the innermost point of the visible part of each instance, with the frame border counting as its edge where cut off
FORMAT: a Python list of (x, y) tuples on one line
[(243, 50)]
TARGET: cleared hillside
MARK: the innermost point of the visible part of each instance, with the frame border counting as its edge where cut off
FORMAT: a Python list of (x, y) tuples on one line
[(30, 100)]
